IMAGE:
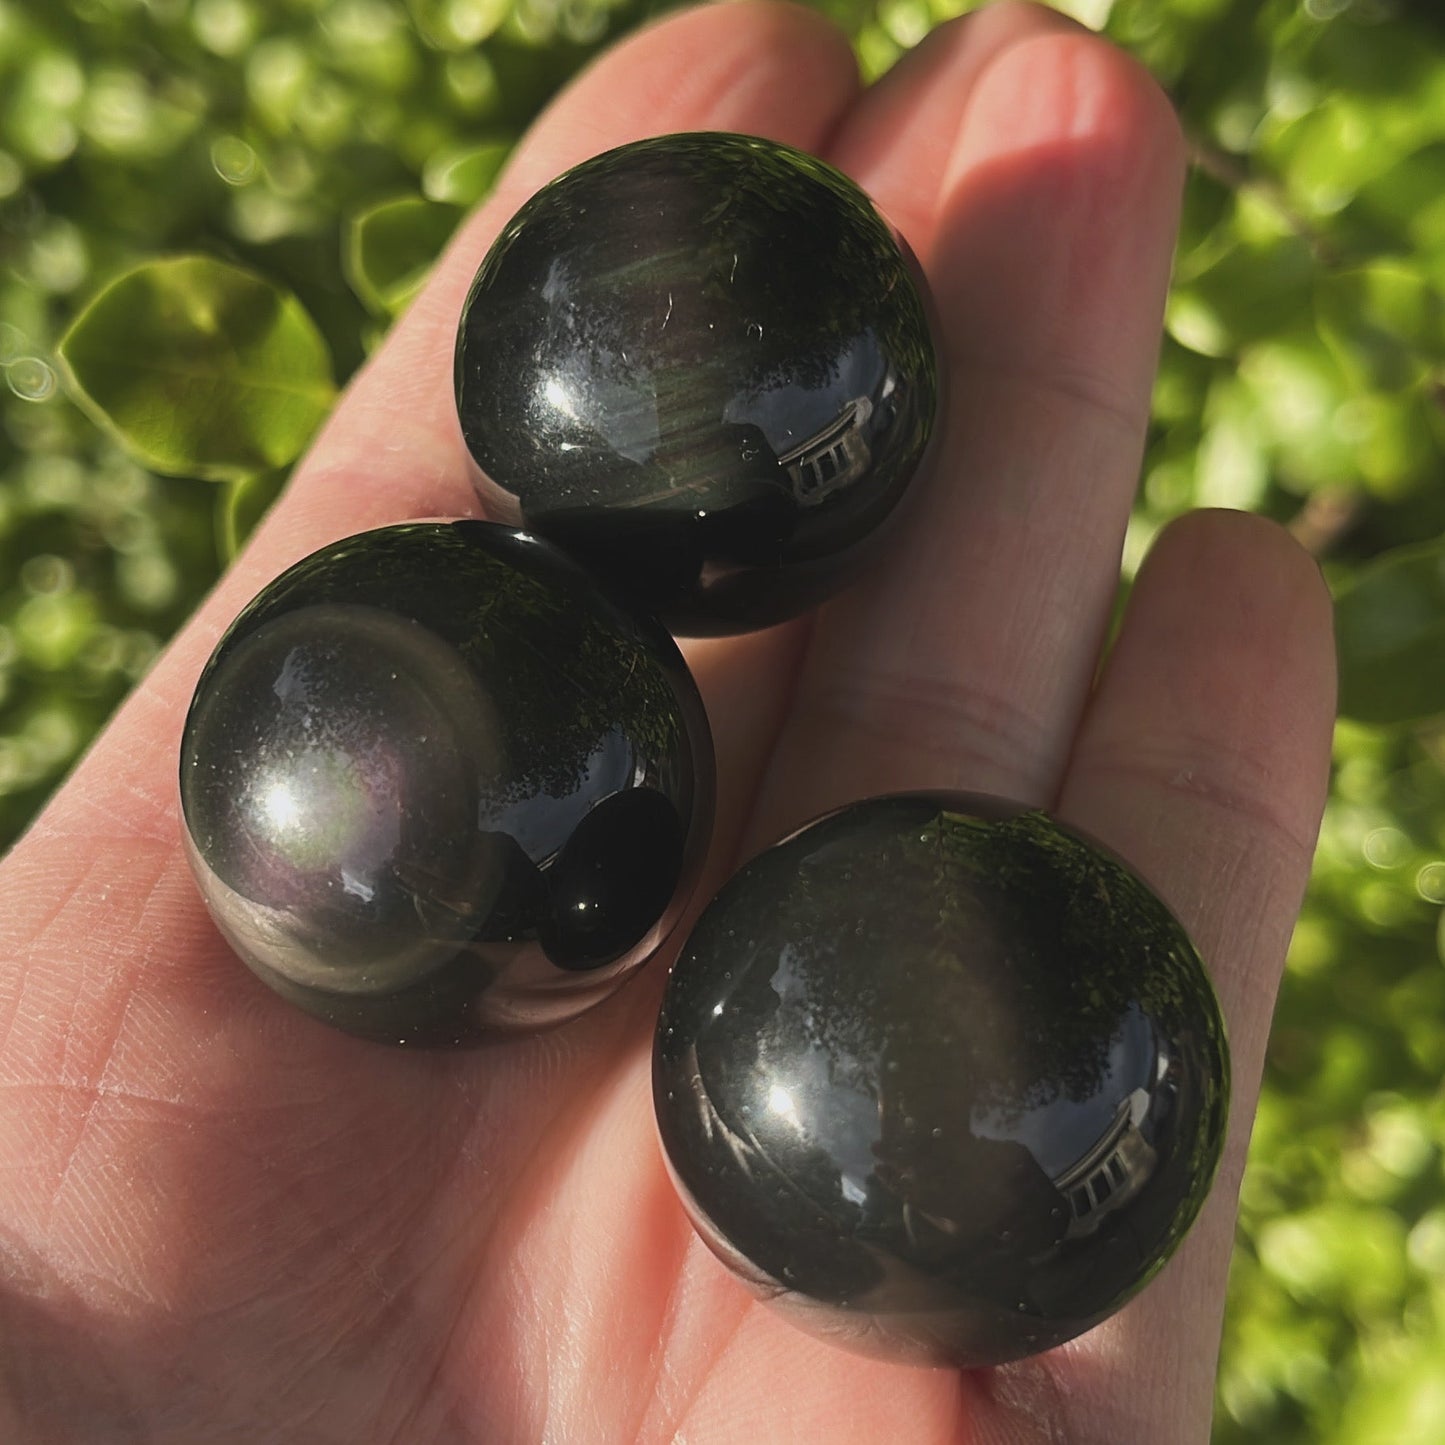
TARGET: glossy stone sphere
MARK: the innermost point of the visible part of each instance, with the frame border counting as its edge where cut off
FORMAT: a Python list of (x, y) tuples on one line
[(436, 784), (702, 363), (943, 1079)]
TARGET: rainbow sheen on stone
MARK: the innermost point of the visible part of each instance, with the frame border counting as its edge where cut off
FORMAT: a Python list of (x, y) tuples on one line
[(436, 784), (703, 364), (941, 1078)]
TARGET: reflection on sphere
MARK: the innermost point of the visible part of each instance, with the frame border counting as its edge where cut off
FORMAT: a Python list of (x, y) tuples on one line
[(415, 747)]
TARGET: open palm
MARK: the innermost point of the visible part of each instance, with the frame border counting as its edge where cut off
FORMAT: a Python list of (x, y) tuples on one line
[(221, 1222)]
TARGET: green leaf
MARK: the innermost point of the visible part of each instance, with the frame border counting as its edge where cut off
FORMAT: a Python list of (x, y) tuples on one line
[(462, 176), (50, 630), (1249, 293), (1402, 1399), (200, 368), (1299, 396), (1337, 1253), (1384, 322), (390, 249), (458, 24), (1232, 466), (245, 502), (1390, 631), (1329, 153), (1404, 204), (1203, 222), (1395, 447)]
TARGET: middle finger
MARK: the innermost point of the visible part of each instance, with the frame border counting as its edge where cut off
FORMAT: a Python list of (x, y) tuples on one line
[(1047, 235)]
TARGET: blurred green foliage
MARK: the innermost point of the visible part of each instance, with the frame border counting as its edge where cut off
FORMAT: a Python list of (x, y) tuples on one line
[(318, 152)]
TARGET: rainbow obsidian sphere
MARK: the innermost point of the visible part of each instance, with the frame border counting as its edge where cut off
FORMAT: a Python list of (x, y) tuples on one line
[(435, 784), (941, 1078), (703, 364)]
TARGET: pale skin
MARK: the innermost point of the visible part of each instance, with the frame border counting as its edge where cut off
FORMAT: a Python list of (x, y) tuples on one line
[(221, 1222)]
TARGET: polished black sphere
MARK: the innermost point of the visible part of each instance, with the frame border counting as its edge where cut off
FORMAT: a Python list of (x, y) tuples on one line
[(701, 363), (435, 784), (941, 1078)]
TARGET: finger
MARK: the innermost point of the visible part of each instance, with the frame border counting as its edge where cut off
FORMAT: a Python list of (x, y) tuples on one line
[(966, 660), (901, 143), (1203, 760)]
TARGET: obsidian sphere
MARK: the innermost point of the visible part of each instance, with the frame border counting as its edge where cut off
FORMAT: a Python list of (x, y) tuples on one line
[(703, 364), (942, 1078), (436, 784)]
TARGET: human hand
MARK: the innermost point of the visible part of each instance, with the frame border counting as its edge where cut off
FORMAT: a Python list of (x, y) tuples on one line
[(220, 1221)]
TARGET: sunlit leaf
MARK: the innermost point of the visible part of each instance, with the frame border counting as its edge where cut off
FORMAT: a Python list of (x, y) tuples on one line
[(1402, 1401), (1384, 322), (1390, 633), (1248, 293), (1338, 1254), (200, 368), (458, 24), (1405, 203), (50, 630), (1330, 152), (1233, 464), (390, 249), (1394, 440), (245, 502), (462, 177), (1299, 395)]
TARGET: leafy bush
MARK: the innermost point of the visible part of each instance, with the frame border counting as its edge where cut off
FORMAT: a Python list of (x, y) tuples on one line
[(168, 167)]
